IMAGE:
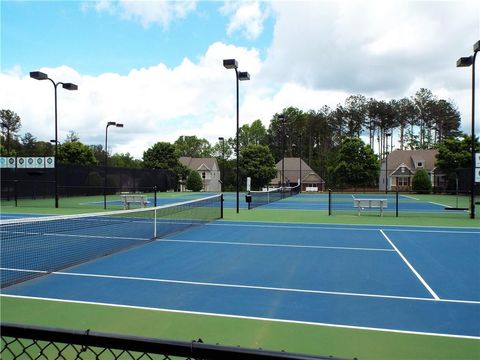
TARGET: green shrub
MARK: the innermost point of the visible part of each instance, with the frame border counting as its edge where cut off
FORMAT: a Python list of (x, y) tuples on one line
[(194, 181), (421, 182)]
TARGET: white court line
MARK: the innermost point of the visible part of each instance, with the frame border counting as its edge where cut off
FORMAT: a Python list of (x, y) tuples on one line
[(329, 227), (267, 288), (435, 296), (438, 204), (274, 245), (410, 197), (175, 311)]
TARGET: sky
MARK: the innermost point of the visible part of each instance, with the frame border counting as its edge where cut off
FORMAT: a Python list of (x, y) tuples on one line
[(156, 66)]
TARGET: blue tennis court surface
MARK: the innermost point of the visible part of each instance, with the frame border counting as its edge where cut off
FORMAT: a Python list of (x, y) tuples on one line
[(412, 279)]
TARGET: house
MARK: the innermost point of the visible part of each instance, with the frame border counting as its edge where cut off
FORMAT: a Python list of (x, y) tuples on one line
[(208, 170), (402, 166), (295, 169)]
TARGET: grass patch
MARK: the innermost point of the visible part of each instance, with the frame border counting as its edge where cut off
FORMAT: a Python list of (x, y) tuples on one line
[(250, 333)]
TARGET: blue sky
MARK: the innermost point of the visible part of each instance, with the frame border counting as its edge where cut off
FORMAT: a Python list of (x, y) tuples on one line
[(52, 33), (156, 66)]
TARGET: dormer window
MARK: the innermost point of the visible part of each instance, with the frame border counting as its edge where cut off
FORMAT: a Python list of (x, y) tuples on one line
[(419, 164)]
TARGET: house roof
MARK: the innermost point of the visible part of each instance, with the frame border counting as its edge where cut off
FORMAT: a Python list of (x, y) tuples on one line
[(199, 164), (292, 171), (411, 158)]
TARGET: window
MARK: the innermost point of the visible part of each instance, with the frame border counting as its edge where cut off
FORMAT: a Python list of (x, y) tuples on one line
[(419, 163), (402, 170), (403, 181), (203, 175)]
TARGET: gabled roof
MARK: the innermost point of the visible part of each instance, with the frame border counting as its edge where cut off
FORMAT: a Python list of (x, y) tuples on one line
[(199, 164), (292, 171), (410, 158)]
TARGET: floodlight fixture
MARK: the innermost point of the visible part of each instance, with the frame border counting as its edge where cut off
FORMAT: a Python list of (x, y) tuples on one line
[(476, 46), (119, 125), (230, 64), (465, 61), (243, 75), (69, 86), (38, 75)]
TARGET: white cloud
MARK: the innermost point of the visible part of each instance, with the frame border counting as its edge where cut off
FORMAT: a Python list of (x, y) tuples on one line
[(321, 53), (155, 104), (246, 17), (146, 12)]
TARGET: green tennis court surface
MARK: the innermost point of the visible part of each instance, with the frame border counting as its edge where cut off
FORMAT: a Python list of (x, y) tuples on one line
[(62, 303)]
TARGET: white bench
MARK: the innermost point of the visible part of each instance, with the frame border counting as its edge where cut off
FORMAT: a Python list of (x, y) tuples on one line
[(370, 204), (134, 199), (311, 188)]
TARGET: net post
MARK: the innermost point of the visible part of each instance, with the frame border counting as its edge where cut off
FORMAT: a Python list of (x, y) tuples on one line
[(329, 202), (155, 223), (221, 206), (396, 203)]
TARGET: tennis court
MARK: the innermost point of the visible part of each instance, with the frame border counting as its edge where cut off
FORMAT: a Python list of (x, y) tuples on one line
[(394, 279), (401, 279)]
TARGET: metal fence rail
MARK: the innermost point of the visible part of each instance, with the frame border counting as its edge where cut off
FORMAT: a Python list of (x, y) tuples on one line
[(35, 342)]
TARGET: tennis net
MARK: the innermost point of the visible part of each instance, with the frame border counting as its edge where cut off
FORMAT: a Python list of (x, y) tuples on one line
[(259, 198), (37, 246)]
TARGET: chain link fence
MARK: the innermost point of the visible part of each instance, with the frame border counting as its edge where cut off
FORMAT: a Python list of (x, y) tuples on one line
[(34, 342)]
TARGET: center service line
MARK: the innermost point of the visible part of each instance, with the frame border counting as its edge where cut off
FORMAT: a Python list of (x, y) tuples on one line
[(435, 296)]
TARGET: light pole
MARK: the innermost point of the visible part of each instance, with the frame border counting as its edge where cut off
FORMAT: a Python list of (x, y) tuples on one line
[(281, 117), (387, 135), (240, 76), (222, 175), (464, 62), (38, 75), (110, 123)]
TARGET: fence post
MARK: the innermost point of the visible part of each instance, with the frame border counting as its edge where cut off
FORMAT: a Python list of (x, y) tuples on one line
[(329, 202), (15, 191), (396, 203), (155, 196)]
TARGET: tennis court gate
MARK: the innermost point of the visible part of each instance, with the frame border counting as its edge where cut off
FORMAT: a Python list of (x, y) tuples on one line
[(80, 180), (35, 342)]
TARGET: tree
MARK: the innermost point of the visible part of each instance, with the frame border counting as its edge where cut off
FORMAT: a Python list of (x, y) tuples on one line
[(258, 164), (355, 112), (125, 161), (193, 146), (163, 155), (76, 153), (455, 154), (424, 101), (421, 182), (356, 164), (10, 124), (72, 136), (254, 133), (194, 181)]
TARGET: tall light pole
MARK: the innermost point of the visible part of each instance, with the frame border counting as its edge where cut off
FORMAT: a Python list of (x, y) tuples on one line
[(464, 62), (110, 123), (38, 75), (222, 174), (281, 117), (387, 135), (240, 76)]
